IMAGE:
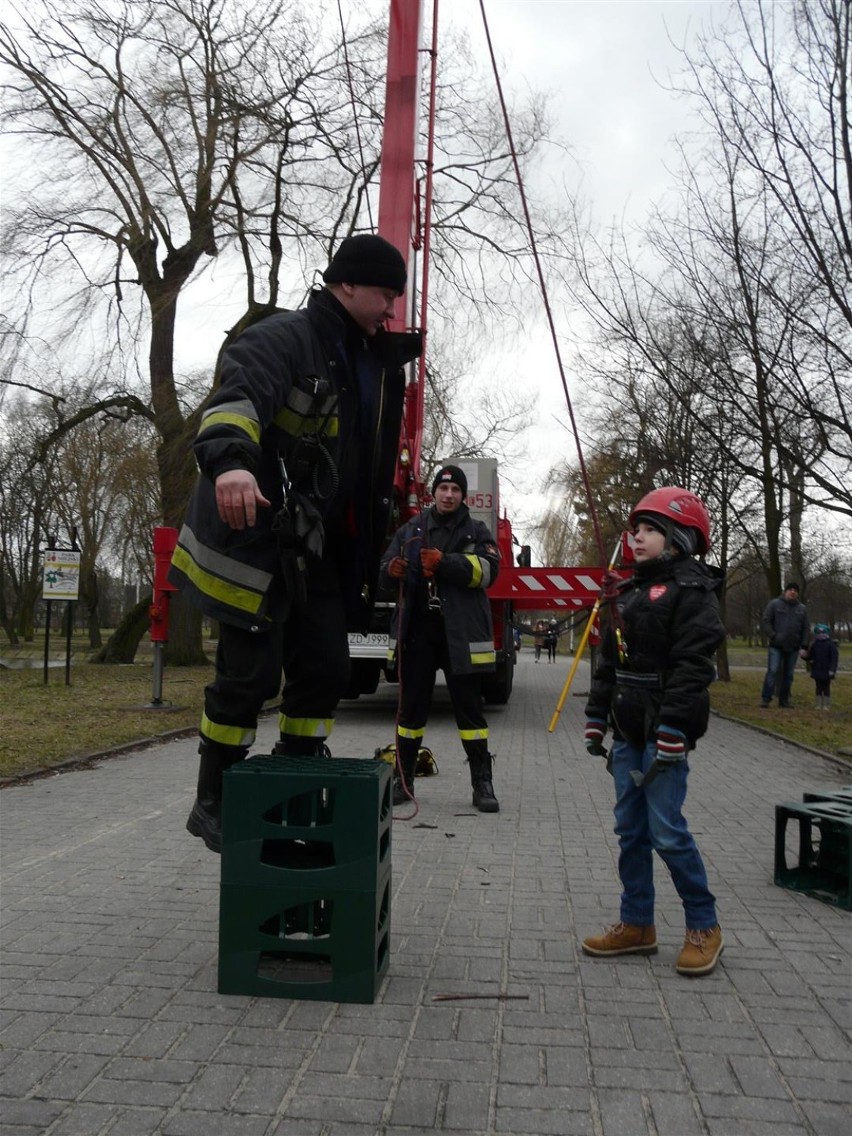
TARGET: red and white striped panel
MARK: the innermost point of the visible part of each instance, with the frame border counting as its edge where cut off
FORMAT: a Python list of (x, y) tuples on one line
[(548, 587)]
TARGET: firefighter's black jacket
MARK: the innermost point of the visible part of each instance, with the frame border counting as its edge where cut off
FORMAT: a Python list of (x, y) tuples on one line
[(469, 564), (309, 387), (667, 615)]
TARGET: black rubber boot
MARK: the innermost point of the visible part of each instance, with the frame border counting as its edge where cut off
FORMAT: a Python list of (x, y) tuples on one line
[(480, 761), (292, 746), (407, 749), (205, 818)]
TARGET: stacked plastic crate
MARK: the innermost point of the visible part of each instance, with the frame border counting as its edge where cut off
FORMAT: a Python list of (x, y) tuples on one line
[(823, 867), (305, 900)]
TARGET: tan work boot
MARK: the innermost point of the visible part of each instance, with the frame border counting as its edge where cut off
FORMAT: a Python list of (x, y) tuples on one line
[(701, 950), (622, 939)]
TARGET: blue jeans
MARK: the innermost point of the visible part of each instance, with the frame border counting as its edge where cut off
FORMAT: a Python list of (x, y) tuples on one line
[(785, 662), (649, 820)]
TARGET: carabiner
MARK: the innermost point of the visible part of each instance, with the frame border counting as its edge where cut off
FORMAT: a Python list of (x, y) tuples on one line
[(620, 645)]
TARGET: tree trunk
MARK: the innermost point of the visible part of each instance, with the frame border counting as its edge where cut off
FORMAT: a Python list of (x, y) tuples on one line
[(90, 599), (122, 645), (723, 667), (176, 466), (184, 648)]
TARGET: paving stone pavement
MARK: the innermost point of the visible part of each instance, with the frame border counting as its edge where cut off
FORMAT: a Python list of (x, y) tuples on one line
[(112, 1023)]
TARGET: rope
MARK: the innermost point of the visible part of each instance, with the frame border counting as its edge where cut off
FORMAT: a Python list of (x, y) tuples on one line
[(588, 490), (354, 111), (427, 228), (406, 788)]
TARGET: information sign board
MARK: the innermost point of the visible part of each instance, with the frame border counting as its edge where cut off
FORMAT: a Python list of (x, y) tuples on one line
[(61, 574)]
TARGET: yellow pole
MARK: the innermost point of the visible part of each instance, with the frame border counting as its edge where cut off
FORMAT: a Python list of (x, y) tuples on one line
[(583, 641)]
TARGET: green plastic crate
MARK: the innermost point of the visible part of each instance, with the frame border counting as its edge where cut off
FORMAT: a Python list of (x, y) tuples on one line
[(824, 867), (315, 816), (306, 869), (320, 944)]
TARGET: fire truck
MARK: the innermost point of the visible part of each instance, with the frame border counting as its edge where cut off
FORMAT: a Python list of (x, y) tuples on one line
[(401, 220)]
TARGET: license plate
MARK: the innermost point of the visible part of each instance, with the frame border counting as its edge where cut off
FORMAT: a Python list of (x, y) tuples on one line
[(373, 639)]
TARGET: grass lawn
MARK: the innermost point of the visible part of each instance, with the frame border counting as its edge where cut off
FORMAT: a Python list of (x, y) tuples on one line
[(827, 730), (105, 707)]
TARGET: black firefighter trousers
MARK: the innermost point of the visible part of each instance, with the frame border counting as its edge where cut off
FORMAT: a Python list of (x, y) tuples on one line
[(310, 647), (420, 657)]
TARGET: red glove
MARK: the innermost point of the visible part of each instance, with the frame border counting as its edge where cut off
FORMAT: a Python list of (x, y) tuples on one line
[(430, 558), (609, 584), (397, 568)]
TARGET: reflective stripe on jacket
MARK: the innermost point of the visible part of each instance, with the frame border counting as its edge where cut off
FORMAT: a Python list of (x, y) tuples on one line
[(298, 386), (469, 564), (671, 626)]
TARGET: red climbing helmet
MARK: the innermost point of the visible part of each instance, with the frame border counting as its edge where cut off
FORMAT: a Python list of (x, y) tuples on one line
[(681, 508)]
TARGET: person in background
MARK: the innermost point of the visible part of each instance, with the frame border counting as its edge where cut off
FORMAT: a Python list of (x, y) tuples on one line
[(443, 560), (284, 530), (785, 622), (651, 687), (539, 633), (551, 640), (823, 657)]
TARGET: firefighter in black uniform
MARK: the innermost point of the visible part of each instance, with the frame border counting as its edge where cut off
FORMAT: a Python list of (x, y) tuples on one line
[(443, 560), (285, 527)]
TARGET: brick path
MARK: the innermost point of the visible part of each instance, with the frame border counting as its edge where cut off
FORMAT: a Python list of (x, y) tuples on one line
[(112, 1023)]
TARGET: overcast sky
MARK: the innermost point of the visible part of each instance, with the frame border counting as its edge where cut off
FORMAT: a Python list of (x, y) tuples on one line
[(606, 64)]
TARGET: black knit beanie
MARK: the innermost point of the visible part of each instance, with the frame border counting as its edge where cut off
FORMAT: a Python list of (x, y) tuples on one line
[(682, 537), (367, 259), (450, 474)]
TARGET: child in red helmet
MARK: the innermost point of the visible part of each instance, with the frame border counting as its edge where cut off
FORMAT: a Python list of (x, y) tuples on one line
[(651, 688)]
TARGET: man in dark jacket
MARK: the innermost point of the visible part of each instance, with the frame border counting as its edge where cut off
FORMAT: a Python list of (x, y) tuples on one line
[(283, 534), (443, 561), (785, 623)]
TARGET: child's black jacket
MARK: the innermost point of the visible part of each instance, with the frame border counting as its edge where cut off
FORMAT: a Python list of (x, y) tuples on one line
[(668, 615)]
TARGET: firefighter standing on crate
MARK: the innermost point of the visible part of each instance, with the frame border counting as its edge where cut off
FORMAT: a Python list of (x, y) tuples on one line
[(443, 560), (285, 527)]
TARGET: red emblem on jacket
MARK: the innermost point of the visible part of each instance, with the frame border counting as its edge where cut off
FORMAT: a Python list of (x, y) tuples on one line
[(657, 591)]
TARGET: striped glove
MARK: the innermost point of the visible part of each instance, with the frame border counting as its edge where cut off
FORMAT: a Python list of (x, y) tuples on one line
[(671, 745), (595, 731)]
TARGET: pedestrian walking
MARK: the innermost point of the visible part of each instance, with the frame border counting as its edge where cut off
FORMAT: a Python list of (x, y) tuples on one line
[(551, 640), (539, 633)]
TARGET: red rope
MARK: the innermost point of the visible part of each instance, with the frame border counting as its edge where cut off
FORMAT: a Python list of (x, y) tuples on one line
[(589, 501), (406, 788)]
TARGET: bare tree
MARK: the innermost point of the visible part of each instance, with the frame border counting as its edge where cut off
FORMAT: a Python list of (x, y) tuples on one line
[(779, 88), (774, 93), (735, 316), (26, 518), (179, 131), (468, 415), (167, 119)]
